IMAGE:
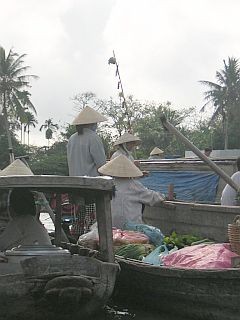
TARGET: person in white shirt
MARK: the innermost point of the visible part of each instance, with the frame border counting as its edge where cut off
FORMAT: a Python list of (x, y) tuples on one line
[(229, 195), (85, 151), (156, 154), (125, 145), (24, 228), (130, 194)]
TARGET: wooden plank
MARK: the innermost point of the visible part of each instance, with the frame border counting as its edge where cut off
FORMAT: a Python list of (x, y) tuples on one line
[(58, 220), (92, 183), (104, 220), (45, 265)]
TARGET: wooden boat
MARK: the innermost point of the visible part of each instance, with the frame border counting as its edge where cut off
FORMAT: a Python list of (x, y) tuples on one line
[(184, 293), (186, 171), (212, 294), (49, 282)]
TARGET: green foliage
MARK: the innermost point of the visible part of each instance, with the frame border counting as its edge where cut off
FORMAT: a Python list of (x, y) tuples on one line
[(50, 128), (134, 250), (4, 154), (51, 161), (178, 240), (14, 97), (68, 131), (13, 84), (224, 96), (151, 132)]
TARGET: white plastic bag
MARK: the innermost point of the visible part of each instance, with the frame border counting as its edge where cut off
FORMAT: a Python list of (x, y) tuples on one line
[(90, 239)]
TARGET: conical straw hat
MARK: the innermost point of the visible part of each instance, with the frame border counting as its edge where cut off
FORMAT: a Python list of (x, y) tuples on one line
[(120, 167), (156, 150), (87, 116), (16, 168), (126, 137)]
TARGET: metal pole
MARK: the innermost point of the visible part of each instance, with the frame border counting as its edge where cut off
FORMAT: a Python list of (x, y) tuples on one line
[(202, 156)]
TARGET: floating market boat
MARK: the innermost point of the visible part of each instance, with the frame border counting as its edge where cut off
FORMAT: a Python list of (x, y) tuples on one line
[(184, 293), (59, 281), (210, 294)]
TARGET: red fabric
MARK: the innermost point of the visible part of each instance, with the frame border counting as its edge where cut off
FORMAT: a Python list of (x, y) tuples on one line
[(202, 256)]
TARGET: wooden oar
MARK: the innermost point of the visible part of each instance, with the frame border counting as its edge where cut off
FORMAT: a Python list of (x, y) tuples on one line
[(202, 156)]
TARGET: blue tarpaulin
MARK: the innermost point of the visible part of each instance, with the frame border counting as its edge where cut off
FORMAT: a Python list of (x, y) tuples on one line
[(194, 186)]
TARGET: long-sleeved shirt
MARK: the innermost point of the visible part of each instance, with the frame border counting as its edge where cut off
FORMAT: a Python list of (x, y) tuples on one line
[(24, 230), (121, 151), (127, 203), (85, 154), (229, 194)]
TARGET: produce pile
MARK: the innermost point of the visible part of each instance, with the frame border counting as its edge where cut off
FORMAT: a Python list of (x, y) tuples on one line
[(137, 245), (134, 250), (141, 241), (181, 241)]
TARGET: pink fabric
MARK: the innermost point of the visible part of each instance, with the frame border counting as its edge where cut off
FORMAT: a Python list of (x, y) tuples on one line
[(202, 256), (125, 237)]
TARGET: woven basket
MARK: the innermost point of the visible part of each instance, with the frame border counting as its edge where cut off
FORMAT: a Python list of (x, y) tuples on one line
[(234, 237)]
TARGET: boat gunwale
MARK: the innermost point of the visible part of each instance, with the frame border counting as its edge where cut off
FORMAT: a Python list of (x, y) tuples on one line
[(141, 266), (60, 182)]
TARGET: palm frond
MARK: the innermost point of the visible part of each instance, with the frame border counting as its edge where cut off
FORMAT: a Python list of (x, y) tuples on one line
[(43, 126)]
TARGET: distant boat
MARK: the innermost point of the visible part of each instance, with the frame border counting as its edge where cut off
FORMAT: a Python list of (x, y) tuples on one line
[(192, 179)]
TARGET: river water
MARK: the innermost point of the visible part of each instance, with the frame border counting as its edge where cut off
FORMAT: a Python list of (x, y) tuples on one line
[(114, 310), (117, 312)]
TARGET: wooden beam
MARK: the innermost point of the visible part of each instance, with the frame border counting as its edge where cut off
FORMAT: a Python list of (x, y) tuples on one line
[(58, 220), (104, 221)]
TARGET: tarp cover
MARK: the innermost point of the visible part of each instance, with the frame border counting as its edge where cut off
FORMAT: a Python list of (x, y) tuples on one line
[(193, 186)]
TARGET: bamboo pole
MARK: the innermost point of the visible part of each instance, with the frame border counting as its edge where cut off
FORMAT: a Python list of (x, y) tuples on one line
[(202, 156)]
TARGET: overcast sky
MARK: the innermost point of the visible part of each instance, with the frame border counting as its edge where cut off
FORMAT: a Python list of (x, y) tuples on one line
[(164, 47)]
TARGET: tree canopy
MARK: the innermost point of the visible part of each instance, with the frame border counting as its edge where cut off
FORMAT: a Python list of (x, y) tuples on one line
[(219, 130), (224, 96), (14, 97)]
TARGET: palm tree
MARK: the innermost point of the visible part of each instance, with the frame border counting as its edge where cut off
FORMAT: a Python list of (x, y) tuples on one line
[(14, 98), (50, 128), (30, 121), (224, 95)]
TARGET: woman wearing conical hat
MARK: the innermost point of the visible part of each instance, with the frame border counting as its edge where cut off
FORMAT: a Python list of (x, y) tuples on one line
[(16, 168), (125, 145), (130, 195), (85, 151), (85, 154), (156, 153)]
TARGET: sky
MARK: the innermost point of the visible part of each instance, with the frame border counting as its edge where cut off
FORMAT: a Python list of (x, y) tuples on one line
[(163, 48)]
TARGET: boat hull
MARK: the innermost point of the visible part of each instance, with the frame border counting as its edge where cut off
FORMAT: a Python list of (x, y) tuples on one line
[(203, 220), (25, 292), (187, 294)]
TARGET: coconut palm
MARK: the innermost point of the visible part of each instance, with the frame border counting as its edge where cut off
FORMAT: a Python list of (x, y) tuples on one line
[(50, 128), (14, 98), (29, 121), (224, 95)]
